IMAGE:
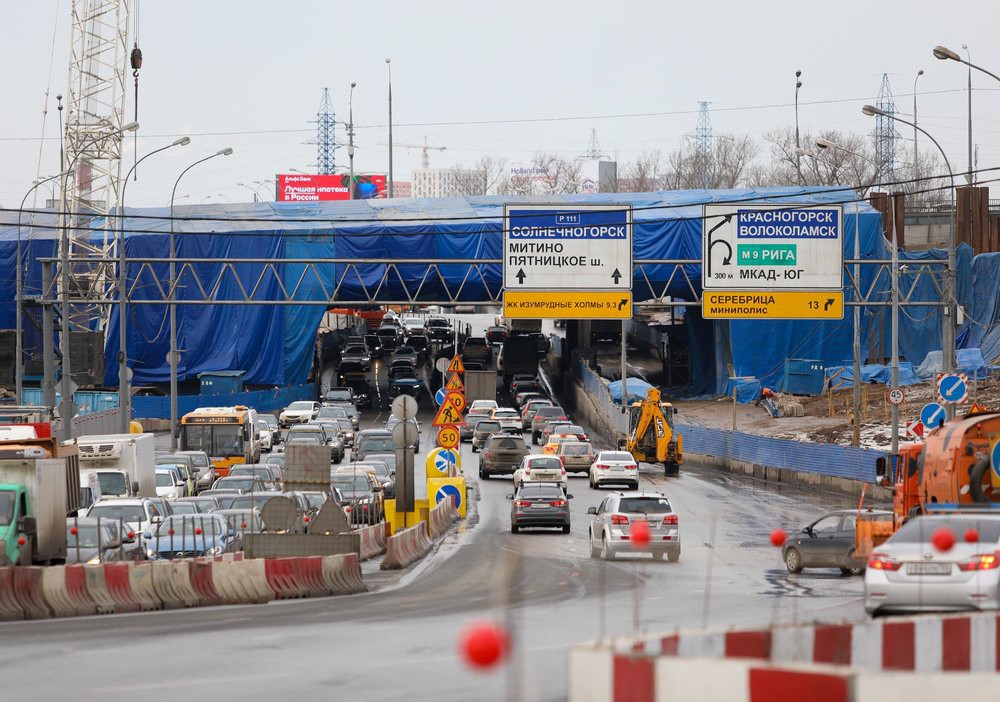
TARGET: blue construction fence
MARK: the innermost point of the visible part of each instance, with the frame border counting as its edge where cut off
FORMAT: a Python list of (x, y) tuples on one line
[(803, 456), (158, 407)]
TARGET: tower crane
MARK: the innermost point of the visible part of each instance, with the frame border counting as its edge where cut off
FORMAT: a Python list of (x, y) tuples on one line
[(425, 161)]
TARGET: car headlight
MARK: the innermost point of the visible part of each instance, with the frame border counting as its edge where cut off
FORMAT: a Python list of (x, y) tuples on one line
[(150, 554), (214, 551)]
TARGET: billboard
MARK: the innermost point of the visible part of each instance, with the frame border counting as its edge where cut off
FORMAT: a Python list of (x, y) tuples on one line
[(294, 187)]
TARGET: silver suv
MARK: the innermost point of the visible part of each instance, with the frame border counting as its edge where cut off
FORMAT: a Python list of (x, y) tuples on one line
[(611, 530), (501, 454)]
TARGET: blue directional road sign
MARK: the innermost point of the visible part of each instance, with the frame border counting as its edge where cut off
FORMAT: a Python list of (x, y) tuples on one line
[(446, 491), (445, 458), (439, 396), (932, 414), (995, 458), (953, 388)]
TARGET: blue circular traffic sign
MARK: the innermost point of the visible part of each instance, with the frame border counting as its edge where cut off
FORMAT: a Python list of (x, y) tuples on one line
[(932, 414), (445, 458), (439, 396), (995, 458), (446, 491), (953, 388)]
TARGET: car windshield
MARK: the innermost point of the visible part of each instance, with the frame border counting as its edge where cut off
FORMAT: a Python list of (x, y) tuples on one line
[(919, 531), (575, 449), (437, 322), (335, 395), (505, 414), (573, 429), (316, 499), (181, 524), (164, 479), (112, 483), (276, 459), (269, 420), (377, 444), (508, 443), (345, 424), (200, 460), (127, 513), (383, 464), (616, 456), (251, 501), (262, 473), (545, 463), (544, 412), (488, 426), (300, 431), (86, 534), (185, 508), (545, 491), (332, 413), (243, 521), (299, 406), (234, 483), (418, 342), (644, 505), (350, 483), (213, 439), (386, 331)]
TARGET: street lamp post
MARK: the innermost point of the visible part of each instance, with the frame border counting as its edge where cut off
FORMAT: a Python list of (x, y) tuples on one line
[(944, 53), (244, 185), (172, 357), (124, 395), (894, 324), (66, 403), (798, 158), (950, 303), (19, 295), (916, 151), (261, 184), (388, 64), (350, 141)]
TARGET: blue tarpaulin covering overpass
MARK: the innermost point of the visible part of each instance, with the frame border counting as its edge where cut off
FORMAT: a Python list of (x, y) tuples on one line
[(274, 344)]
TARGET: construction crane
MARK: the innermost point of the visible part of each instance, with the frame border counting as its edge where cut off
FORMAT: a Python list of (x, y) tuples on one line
[(425, 161)]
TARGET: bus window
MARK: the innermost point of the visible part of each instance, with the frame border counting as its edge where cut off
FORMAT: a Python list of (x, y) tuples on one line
[(213, 439)]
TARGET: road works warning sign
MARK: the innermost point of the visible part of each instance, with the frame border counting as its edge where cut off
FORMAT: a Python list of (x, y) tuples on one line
[(772, 247), (567, 247)]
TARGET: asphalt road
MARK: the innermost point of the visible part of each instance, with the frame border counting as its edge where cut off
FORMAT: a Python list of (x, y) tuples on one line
[(400, 641)]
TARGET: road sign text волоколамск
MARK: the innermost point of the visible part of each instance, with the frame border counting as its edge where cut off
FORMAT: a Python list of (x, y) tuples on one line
[(567, 247), (773, 248)]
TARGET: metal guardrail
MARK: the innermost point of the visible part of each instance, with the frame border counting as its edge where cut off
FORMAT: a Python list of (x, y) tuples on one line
[(102, 422), (598, 390)]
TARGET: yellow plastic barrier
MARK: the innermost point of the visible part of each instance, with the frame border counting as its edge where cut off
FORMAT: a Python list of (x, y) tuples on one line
[(437, 462), (440, 488), (399, 520)]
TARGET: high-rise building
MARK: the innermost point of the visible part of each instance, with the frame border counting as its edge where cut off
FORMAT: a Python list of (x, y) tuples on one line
[(434, 182)]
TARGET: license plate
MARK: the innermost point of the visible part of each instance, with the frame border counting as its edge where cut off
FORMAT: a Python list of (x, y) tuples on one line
[(540, 505), (928, 568), (653, 525)]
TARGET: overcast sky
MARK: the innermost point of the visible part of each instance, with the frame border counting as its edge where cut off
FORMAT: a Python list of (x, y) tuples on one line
[(472, 77)]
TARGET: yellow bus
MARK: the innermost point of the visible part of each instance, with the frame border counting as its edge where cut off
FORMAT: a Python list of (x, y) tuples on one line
[(226, 434)]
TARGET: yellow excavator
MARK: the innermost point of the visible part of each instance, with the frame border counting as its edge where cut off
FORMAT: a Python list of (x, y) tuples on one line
[(651, 437)]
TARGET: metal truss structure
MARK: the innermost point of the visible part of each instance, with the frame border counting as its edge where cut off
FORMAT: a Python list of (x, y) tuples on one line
[(349, 281)]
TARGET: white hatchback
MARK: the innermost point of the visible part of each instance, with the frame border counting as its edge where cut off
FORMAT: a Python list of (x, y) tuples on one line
[(540, 467), (614, 467)]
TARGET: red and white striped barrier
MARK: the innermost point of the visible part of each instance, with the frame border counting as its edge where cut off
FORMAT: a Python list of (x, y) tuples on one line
[(97, 589), (373, 539), (56, 593), (601, 675), (406, 546), (929, 643), (440, 519)]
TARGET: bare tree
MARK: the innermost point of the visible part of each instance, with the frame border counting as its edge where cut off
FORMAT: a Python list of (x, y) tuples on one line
[(725, 165), (643, 175), (483, 178), (852, 164)]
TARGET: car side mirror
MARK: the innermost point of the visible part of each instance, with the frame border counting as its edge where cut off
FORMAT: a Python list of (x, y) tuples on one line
[(569, 496), (147, 535), (808, 530), (135, 487), (591, 510), (156, 519), (231, 532), (28, 525), (510, 497)]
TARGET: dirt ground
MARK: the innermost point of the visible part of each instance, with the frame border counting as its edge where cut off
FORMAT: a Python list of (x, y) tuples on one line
[(827, 418)]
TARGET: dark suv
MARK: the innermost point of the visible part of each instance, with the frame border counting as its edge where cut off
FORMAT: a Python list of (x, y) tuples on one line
[(539, 505), (476, 348), (501, 455)]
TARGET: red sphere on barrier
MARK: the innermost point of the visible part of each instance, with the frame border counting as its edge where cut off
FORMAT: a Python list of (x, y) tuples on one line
[(131, 535), (73, 530), (170, 532), (639, 531), (484, 644), (306, 519), (778, 537), (21, 541), (943, 539), (243, 525), (971, 536), (197, 530)]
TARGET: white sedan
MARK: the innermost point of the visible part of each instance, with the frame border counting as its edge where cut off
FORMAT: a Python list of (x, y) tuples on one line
[(298, 412), (509, 419), (614, 467), (540, 467)]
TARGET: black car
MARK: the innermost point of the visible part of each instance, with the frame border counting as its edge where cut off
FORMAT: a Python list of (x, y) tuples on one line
[(829, 542), (405, 383), (477, 349), (539, 504), (374, 344), (402, 366), (390, 336), (358, 354), (496, 335), (405, 353), (362, 390), (421, 344), (438, 329)]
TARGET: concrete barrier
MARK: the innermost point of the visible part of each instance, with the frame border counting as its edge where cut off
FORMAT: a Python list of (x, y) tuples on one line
[(172, 584), (28, 592), (926, 643), (55, 592), (442, 517), (252, 574), (140, 577), (600, 675), (97, 589), (76, 587), (119, 587), (9, 607), (342, 574), (310, 570), (226, 584), (284, 578), (406, 546), (373, 540), (200, 572)]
